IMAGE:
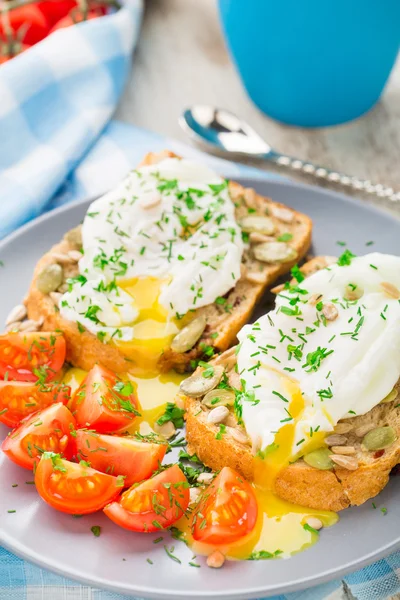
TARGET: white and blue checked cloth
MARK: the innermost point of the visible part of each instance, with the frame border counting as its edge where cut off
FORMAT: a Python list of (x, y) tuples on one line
[(57, 145)]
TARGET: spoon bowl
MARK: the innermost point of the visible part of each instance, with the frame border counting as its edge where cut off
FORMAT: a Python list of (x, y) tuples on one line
[(223, 130)]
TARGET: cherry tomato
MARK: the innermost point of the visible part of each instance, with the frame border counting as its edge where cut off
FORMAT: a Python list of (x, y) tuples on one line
[(74, 488), (48, 430), (74, 18), (117, 455), (56, 10), (31, 356), (104, 403), (227, 510), (154, 504), (29, 21), (19, 399)]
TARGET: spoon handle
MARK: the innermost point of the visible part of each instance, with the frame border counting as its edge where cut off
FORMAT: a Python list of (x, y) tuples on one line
[(355, 183)]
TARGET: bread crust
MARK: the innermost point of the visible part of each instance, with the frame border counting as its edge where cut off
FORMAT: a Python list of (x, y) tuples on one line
[(84, 349), (300, 483)]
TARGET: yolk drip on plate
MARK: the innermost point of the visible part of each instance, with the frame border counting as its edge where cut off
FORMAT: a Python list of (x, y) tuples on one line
[(280, 529), (153, 329)]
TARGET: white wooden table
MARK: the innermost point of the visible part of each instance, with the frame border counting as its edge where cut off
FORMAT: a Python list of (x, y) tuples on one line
[(182, 60)]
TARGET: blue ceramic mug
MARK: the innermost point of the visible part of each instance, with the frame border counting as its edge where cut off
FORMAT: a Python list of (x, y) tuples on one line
[(313, 62)]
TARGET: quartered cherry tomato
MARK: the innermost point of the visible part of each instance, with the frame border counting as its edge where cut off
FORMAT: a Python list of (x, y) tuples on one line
[(119, 455), (227, 510), (20, 399), (28, 24), (56, 10), (154, 504), (31, 356), (48, 430), (104, 403), (74, 488)]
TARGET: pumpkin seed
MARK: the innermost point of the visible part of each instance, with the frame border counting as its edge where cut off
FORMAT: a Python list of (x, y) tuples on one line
[(197, 385), (335, 440), (390, 397), (379, 438), (258, 224), (18, 313), (390, 290), (49, 278), (315, 523), (346, 462), (74, 236), (353, 292), (319, 459), (189, 335), (218, 415), (219, 397), (274, 252)]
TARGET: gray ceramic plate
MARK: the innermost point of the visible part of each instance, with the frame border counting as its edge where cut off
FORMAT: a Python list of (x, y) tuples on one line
[(66, 545)]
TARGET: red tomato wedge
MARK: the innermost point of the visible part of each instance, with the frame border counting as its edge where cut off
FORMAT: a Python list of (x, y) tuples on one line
[(56, 10), (48, 430), (21, 354), (154, 504), (227, 510), (74, 488), (104, 403), (119, 455), (19, 399), (29, 21), (74, 18)]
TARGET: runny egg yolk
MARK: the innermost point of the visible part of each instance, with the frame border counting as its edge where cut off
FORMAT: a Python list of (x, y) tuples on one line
[(154, 330), (280, 527)]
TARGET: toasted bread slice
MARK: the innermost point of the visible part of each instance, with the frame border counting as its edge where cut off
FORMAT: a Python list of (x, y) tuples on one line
[(223, 320), (299, 483)]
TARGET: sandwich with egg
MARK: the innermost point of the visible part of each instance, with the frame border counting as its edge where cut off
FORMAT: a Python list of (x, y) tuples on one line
[(307, 404), (165, 269)]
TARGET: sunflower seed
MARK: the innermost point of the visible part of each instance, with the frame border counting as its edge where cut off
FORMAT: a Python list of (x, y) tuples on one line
[(363, 429), (13, 326), (390, 290), (335, 440), (62, 259), (238, 435), (63, 288), (218, 415), (56, 297), (258, 238), (347, 462), (75, 255), (205, 478), (256, 277), (283, 214), (215, 560), (329, 311), (194, 493), (167, 430), (314, 523), (74, 236), (353, 292), (18, 313), (343, 428), (227, 359), (343, 450)]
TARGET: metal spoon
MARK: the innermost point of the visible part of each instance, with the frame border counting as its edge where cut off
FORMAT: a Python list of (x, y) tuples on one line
[(229, 134)]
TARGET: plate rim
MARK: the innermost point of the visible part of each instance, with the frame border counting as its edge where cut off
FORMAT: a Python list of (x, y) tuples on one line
[(254, 592)]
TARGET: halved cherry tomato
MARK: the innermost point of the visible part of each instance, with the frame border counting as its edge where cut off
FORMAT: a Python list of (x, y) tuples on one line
[(104, 403), (119, 455), (19, 399), (227, 510), (74, 488), (154, 504), (74, 18), (29, 21), (23, 353), (54, 10), (48, 430)]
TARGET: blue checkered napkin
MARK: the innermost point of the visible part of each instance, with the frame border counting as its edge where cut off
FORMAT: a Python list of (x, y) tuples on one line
[(54, 101)]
